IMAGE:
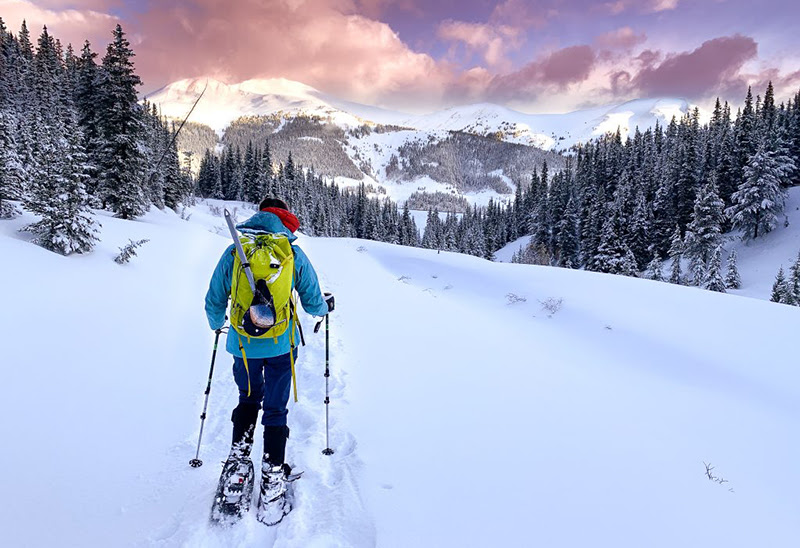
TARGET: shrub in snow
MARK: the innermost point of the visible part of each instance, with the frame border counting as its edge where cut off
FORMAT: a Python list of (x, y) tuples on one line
[(513, 298), (128, 251), (551, 305)]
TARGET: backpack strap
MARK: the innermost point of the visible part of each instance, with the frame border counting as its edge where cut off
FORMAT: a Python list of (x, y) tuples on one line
[(246, 368), (291, 349)]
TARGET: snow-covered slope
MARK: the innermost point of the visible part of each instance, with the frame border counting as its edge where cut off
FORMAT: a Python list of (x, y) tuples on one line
[(222, 103), (464, 413), (757, 261)]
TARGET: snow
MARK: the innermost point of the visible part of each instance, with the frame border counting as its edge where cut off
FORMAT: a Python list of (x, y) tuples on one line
[(504, 254), (224, 102), (462, 412), (758, 260)]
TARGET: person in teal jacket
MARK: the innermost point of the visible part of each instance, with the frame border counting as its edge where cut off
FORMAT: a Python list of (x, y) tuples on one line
[(268, 360)]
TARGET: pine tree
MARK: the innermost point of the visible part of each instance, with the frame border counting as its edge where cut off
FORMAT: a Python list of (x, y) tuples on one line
[(58, 195), (732, 278), (568, 236), (86, 95), (676, 254), (713, 276), (432, 236), (704, 231), (654, 270), (120, 152), (793, 283), (780, 289), (12, 173), (760, 197), (614, 256)]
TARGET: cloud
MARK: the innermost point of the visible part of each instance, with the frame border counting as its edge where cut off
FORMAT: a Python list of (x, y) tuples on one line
[(317, 42), (622, 38), (712, 67), (556, 71), (523, 14), (492, 41), (69, 25), (646, 6)]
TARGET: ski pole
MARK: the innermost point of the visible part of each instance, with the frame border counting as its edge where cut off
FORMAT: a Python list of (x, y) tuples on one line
[(196, 462), (327, 451)]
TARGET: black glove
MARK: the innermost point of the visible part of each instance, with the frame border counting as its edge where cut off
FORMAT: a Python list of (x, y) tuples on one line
[(329, 301)]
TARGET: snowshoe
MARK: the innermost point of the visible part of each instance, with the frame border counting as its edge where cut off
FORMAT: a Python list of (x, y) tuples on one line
[(235, 490), (276, 496)]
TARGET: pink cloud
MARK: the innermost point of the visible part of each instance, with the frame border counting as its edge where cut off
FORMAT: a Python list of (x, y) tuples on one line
[(313, 41), (522, 13), (646, 6), (622, 38), (492, 41), (68, 25), (558, 70), (713, 66), (375, 8), (95, 5)]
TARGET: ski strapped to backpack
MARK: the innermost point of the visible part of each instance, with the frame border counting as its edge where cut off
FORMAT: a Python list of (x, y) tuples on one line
[(262, 283)]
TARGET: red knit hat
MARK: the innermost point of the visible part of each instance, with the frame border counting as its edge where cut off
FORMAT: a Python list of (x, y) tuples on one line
[(287, 218)]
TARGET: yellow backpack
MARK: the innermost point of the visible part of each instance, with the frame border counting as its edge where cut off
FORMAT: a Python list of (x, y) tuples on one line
[(271, 261)]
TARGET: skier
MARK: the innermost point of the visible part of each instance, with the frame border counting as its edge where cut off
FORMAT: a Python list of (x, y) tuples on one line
[(262, 370)]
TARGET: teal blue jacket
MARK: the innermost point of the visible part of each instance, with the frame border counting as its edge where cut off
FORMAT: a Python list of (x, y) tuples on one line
[(219, 290)]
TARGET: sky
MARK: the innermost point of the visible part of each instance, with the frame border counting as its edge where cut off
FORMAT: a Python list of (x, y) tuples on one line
[(421, 55)]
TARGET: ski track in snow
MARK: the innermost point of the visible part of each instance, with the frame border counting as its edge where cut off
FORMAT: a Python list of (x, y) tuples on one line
[(328, 511)]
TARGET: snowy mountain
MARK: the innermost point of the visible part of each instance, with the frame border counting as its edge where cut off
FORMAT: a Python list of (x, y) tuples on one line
[(223, 103), (395, 151), (473, 403)]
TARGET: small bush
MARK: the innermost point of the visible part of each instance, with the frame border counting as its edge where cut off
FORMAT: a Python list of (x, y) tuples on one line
[(125, 253), (551, 305)]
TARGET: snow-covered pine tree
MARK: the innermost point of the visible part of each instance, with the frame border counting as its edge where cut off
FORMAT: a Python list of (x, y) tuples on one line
[(568, 244), (732, 278), (793, 283), (780, 289), (58, 195), (121, 157), (431, 236), (760, 197), (713, 279), (655, 270), (676, 254), (704, 231), (251, 187), (177, 186), (86, 95), (12, 173), (614, 256)]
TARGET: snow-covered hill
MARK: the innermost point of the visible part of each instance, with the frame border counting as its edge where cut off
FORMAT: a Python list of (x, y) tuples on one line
[(223, 103), (758, 260), (396, 151), (473, 403)]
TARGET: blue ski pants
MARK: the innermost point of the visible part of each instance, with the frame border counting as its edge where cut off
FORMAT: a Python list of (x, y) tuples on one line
[(269, 383)]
